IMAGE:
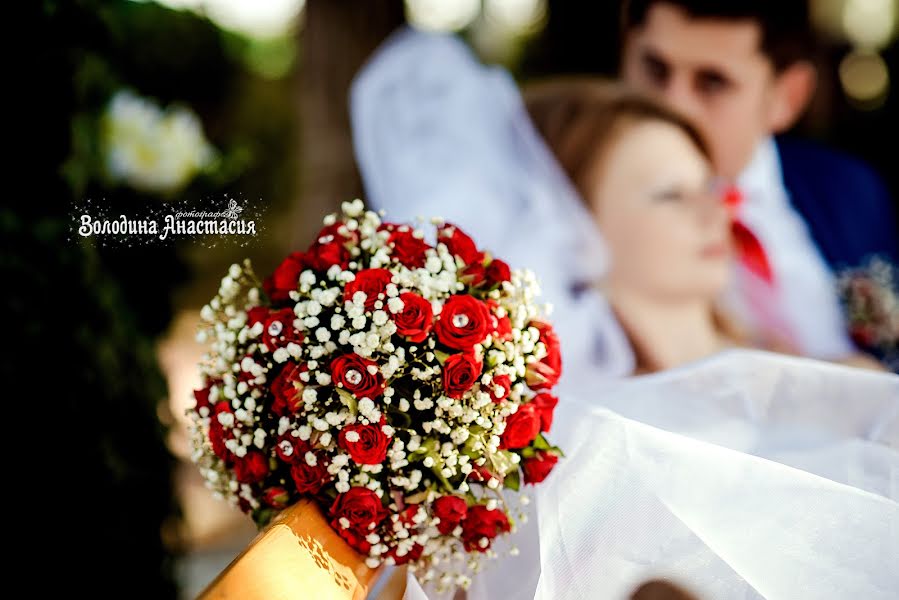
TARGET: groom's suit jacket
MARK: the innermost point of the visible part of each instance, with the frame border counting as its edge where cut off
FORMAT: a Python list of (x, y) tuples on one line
[(847, 208)]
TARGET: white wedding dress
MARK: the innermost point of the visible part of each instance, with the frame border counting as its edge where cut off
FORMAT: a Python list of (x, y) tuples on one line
[(748, 475)]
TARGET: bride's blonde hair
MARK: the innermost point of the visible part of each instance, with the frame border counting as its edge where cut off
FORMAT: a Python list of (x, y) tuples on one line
[(580, 119)]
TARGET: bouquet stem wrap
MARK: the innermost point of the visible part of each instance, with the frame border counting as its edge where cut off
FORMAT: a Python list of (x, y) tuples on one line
[(297, 556)]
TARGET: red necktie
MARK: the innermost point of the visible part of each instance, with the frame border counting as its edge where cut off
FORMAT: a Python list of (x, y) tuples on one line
[(759, 289), (749, 248)]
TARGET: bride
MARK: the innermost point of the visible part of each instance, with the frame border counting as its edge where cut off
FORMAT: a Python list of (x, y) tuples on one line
[(745, 475)]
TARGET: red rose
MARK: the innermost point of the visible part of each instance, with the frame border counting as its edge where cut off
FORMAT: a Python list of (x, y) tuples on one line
[(521, 427), (503, 383), (309, 479), (202, 398), (276, 497), (371, 281), (407, 516), (474, 274), (244, 505), (368, 445), (357, 375), (480, 474), (412, 555), (481, 525), (498, 272), (285, 277), (291, 449), (279, 331), (458, 243), (251, 468), (217, 437), (407, 249), (545, 373), (545, 403), (363, 510), (355, 539), (463, 322), (287, 388), (460, 372), (500, 327), (538, 467), (330, 248), (246, 376), (323, 256), (863, 335), (414, 322), (218, 434), (257, 314), (450, 510)]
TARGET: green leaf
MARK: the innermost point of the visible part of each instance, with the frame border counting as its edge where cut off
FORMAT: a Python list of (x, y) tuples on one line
[(417, 455), (347, 399), (417, 498), (513, 480), (441, 356), (540, 443), (263, 515), (397, 418), (443, 481)]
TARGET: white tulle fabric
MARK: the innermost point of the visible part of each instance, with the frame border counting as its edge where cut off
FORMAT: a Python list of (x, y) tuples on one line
[(749, 475), (436, 133)]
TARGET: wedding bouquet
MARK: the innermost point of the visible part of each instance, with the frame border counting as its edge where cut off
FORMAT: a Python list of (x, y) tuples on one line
[(400, 384)]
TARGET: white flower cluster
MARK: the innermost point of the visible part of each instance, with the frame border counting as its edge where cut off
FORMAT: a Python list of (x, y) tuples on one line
[(321, 392), (153, 149)]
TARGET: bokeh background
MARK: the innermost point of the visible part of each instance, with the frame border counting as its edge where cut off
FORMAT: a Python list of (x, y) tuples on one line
[(152, 102)]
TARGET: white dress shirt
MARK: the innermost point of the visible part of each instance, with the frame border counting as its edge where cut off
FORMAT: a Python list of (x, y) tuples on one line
[(805, 289)]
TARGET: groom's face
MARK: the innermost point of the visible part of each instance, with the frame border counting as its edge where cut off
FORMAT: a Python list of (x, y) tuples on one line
[(711, 70)]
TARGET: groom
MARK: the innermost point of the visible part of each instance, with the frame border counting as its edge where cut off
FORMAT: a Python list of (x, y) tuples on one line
[(741, 70)]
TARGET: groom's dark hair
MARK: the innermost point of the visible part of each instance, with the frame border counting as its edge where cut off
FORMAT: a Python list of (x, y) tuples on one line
[(786, 31)]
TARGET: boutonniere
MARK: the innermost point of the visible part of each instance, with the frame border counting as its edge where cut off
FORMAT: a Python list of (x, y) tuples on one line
[(871, 300)]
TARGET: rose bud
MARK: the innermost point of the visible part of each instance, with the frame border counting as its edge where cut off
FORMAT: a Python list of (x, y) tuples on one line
[(450, 510), (545, 373), (373, 282), (251, 468), (460, 373), (414, 322), (545, 403), (276, 497), (407, 249), (538, 467), (459, 243), (285, 278), (521, 427), (307, 478), (500, 388), (361, 507), (481, 525), (498, 272)]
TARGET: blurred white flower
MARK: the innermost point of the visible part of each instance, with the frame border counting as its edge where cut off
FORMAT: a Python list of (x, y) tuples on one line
[(152, 149)]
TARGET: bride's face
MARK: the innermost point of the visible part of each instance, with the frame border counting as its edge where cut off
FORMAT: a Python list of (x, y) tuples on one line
[(668, 233)]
